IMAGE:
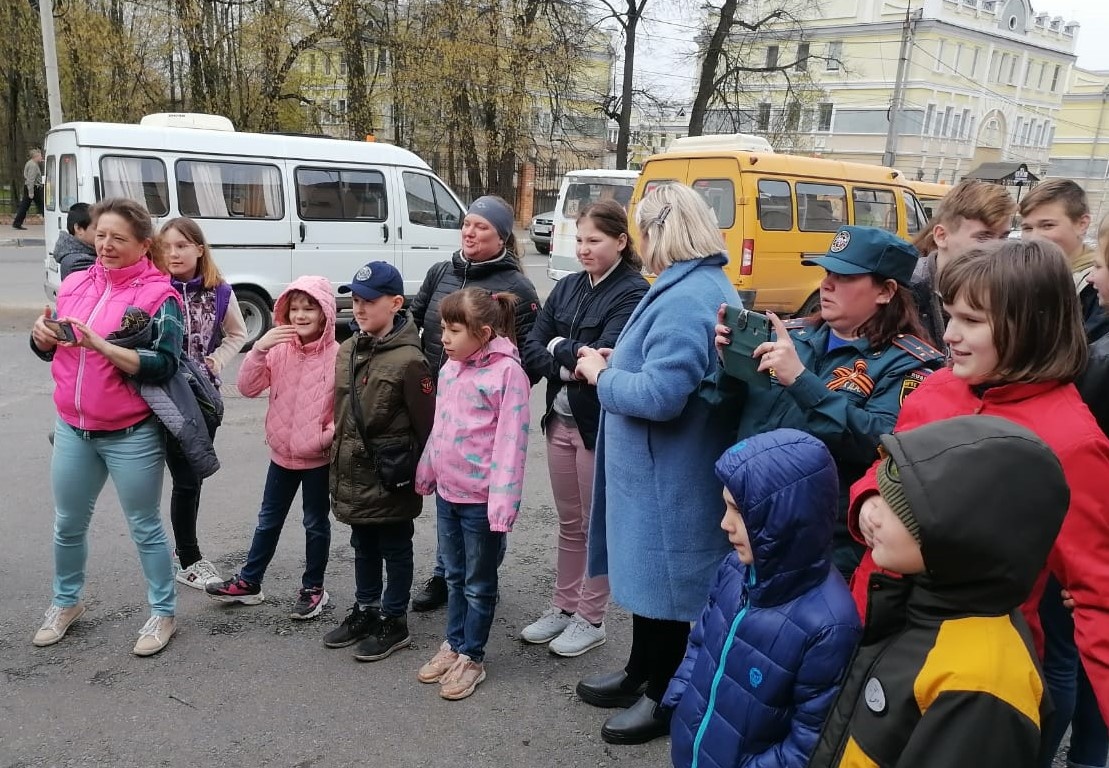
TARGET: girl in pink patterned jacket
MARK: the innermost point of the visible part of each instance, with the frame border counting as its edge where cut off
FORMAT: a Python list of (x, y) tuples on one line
[(474, 463), (295, 361)]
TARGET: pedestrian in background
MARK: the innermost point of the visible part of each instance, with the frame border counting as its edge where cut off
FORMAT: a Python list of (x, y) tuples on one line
[(104, 427), (654, 528), (295, 361), (75, 250), (32, 189), (971, 214), (946, 675), (587, 309), (489, 258), (384, 408), (1008, 362), (214, 333), (765, 660), (474, 464)]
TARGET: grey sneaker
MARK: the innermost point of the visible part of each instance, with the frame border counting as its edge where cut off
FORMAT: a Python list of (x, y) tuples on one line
[(56, 623), (580, 636), (155, 635), (547, 627)]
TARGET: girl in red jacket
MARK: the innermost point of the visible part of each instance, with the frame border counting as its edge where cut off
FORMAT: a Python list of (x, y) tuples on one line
[(1016, 344), (295, 361)]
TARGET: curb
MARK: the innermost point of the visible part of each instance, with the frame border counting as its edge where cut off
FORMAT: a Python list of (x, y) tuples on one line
[(21, 242)]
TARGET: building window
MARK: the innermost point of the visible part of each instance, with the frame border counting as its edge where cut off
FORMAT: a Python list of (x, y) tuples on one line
[(1055, 78), (958, 56), (1050, 137), (327, 65), (802, 57), (824, 117), (1016, 130), (1002, 68), (974, 63), (966, 123), (764, 117), (939, 55), (1043, 74), (946, 121), (771, 56), (1013, 70), (929, 115), (793, 116), (956, 125), (835, 53), (1039, 140)]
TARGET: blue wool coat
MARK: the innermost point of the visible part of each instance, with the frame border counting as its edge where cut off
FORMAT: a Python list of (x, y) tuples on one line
[(654, 527), (767, 657)]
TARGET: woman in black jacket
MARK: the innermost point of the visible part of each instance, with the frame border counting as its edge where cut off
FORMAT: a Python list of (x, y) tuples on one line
[(487, 260), (589, 308)]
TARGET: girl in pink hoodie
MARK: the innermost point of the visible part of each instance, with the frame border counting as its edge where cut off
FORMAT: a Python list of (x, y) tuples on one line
[(295, 360), (474, 464)]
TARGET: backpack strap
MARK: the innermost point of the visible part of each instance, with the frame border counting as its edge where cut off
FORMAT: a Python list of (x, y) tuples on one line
[(223, 299)]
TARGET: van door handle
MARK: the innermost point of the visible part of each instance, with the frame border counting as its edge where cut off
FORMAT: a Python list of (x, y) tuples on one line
[(303, 231), (385, 232)]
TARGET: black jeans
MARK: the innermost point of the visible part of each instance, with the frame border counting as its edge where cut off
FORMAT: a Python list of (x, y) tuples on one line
[(391, 544), (25, 205), (277, 499), (658, 647), (184, 501)]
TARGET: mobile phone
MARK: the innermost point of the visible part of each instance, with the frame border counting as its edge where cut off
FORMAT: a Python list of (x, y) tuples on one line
[(63, 331), (749, 329)]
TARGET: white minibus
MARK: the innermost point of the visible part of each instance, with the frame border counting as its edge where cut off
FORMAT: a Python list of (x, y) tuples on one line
[(272, 206), (579, 188)]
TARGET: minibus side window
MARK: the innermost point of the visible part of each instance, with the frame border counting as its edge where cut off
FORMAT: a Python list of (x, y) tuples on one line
[(654, 184), (915, 215), (67, 182), (429, 202), (875, 208), (332, 195), (821, 207), (220, 190), (720, 195), (50, 181), (775, 206), (142, 179)]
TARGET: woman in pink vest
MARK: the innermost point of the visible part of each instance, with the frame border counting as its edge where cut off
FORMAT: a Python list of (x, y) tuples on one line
[(104, 427)]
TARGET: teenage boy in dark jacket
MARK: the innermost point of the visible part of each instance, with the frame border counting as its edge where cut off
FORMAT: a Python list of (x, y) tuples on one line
[(74, 249), (384, 409), (946, 674)]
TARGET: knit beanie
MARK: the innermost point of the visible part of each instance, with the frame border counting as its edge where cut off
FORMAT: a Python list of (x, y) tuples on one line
[(496, 212), (889, 485)]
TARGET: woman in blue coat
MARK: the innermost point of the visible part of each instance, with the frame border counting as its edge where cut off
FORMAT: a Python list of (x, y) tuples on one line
[(655, 490)]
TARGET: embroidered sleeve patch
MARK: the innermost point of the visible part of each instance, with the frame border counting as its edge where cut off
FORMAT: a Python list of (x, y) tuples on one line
[(910, 383), (427, 386)]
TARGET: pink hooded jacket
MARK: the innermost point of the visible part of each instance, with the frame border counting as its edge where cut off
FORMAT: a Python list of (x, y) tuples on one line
[(477, 448), (300, 421)]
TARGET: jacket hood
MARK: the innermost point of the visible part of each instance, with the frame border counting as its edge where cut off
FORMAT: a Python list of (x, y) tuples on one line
[(404, 333), (497, 347), (68, 244), (475, 270), (319, 288), (786, 487), (989, 497)]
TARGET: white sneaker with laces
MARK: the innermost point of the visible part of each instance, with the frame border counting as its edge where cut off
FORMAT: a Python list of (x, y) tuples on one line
[(155, 635), (546, 628), (56, 624), (580, 636), (198, 575)]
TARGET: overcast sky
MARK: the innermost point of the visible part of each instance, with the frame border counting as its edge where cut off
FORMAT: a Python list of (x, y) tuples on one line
[(665, 42)]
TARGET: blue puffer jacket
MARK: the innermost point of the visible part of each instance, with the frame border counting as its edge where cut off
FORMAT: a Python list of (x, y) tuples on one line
[(766, 658)]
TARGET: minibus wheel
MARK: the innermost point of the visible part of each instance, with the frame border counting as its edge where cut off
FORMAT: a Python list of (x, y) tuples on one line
[(256, 313), (811, 305)]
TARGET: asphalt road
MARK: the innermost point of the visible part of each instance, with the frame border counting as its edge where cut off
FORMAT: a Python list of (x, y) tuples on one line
[(245, 685)]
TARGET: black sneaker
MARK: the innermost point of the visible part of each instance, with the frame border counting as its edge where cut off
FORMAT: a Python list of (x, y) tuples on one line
[(310, 603), (358, 625), (392, 634), (432, 596)]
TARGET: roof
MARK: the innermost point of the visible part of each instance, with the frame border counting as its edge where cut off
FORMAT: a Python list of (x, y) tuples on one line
[(606, 173), (237, 144), (1003, 173)]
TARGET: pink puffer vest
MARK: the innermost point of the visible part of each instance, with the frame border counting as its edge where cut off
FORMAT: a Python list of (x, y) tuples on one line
[(90, 392)]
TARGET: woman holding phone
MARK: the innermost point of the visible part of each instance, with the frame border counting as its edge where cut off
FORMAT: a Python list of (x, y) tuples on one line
[(842, 373)]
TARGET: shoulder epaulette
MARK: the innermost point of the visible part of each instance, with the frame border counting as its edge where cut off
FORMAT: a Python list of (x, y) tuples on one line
[(917, 347)]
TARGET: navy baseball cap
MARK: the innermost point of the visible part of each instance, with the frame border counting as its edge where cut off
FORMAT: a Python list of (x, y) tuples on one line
[(868, 251), (376, 279)]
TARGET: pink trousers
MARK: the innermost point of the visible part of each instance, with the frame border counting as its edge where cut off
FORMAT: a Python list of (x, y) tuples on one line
[(571, 467)]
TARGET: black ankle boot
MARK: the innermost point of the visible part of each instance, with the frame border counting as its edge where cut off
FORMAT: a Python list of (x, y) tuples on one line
[(610, 689), (432, 596), (392, 634), (642, 722)]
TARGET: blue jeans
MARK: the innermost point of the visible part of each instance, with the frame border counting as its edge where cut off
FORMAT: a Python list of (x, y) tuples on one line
[(441, 571), (134, 459), (277, 500), (471, 554), (1066, 680), (391, 544)]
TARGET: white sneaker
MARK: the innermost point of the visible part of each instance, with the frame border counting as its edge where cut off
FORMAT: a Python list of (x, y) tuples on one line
[(198, 575), (56, 624), (546, 628), (580, 636), (155, 635)]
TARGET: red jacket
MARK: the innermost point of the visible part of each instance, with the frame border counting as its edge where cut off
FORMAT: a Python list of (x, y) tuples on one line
[(1080, 558)]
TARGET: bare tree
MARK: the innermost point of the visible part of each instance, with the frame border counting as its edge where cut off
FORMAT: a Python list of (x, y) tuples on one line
[(628, 14)]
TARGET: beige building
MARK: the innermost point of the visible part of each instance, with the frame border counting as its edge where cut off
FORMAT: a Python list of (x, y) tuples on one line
[(983, 82), (1080, 150)]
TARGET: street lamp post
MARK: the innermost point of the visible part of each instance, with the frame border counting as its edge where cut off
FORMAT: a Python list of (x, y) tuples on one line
[(50, 54)]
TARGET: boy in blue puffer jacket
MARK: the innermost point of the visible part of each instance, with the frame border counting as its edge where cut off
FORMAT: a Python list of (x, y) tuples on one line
[(765, 660)]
